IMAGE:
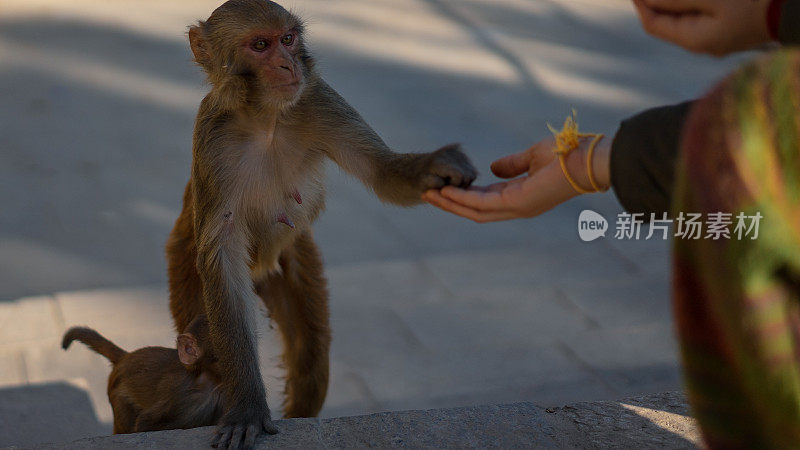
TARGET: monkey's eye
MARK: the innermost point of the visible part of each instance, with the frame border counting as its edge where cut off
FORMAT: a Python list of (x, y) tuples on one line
[(287, 39), (259, 45)]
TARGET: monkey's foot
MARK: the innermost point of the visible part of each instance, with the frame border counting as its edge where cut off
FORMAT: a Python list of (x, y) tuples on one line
[(234, 436)]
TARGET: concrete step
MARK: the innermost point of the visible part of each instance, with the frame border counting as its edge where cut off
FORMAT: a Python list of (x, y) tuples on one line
[(653, 421)]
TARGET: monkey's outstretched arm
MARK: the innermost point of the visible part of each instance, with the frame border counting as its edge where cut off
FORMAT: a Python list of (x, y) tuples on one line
[(398, 178)]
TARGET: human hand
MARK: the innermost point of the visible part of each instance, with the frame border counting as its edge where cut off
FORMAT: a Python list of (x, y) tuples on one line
[(539, 190), (716, 27)]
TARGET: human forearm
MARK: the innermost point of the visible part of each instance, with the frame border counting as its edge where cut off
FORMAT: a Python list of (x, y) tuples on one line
[(642, 158)]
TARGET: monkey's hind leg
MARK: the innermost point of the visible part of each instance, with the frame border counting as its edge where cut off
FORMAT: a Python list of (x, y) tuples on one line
[(297, 300), (185, 286), (152, 419), (125, 414)]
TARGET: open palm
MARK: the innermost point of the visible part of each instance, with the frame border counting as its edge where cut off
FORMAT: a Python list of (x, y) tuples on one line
[(541, 187)]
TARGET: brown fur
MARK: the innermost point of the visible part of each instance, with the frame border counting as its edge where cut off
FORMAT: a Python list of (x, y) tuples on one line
[(150, 389), (261, 137), (297, 299), (95, 341)]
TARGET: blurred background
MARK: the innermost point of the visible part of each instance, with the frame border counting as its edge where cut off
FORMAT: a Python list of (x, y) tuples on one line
[(428, 310)]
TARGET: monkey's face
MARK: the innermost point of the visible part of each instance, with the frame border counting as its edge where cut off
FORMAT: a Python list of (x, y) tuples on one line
[(257, 45), (273, 59)]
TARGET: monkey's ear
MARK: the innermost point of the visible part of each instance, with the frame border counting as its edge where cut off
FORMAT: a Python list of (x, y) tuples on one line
[(188, 350), (199, 44)]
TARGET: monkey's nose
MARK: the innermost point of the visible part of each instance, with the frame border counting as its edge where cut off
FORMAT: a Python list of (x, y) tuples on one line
[(288, 68)]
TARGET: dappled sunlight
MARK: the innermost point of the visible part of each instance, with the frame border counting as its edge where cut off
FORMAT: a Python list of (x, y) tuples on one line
[(567, 72), (36, 266), (97, 74), (416, 34), (571, 84), (668, 421), (409, 49), (167, 20), (390, 32), (153, 212)]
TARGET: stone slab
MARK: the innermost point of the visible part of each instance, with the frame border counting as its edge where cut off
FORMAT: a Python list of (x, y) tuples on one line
[(654, 421)]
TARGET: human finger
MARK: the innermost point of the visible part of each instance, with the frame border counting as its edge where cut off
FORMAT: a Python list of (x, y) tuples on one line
[(436, 199)]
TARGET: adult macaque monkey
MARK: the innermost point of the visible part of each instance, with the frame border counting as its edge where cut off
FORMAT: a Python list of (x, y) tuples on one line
[(261, 136)]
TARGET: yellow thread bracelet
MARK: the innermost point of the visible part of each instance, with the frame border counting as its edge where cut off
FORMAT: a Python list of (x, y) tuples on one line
[(567, 140)]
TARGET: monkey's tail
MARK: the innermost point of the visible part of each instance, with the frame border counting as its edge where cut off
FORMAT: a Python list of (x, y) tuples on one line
[(95, 341)]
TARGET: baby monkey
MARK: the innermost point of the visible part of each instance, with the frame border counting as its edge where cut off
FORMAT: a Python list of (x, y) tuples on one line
[(158, 388)]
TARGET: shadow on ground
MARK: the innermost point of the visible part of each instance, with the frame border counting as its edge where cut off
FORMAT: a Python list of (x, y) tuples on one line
[(52, 412)]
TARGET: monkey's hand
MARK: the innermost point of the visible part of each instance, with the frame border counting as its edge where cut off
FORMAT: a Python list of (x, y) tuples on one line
[(239, 429), (448, 166)]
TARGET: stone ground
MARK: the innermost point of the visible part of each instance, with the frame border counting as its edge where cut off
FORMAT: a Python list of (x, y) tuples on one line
[(428, 310), (653, 421)]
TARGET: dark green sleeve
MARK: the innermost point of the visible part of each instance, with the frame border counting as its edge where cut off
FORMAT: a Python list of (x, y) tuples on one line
[(643, 157), (789, 28)]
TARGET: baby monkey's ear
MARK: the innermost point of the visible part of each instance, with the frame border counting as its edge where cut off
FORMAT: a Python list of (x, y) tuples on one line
[(188, 350)]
